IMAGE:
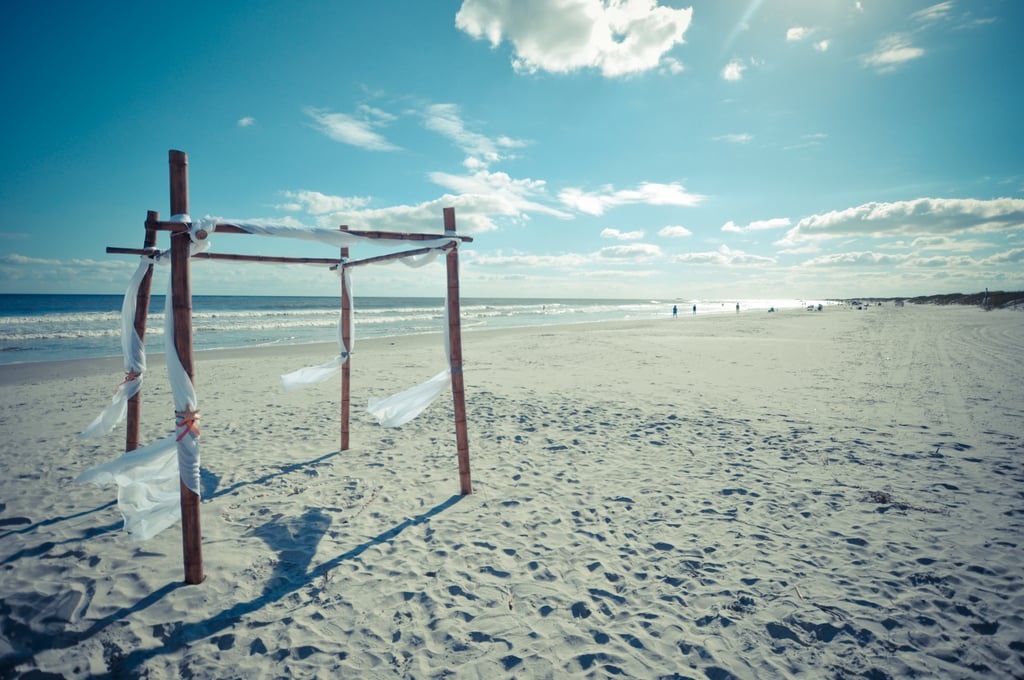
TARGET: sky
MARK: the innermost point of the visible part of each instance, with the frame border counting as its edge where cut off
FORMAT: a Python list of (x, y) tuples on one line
[(641, 149)]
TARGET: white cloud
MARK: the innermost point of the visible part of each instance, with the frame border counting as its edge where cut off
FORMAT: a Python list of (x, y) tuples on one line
[(1015, 256), (246, 121), (724, 256), (823, 45), (859, 259), (316, 203), (739, 138), (649, 193), (618, 37), (734, 70), (622, 235), (632, 251), (446, 120), (918, 217), (473, 215), (674, 231), (892, 52), (499, 193), (671, 66), (564, 261), (757, 225), (934, 13), (798, 33), (350, 130), (16, 259)]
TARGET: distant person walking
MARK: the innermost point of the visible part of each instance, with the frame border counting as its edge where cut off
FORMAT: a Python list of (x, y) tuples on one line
[(737, 308), (675, 311), (695, 310)]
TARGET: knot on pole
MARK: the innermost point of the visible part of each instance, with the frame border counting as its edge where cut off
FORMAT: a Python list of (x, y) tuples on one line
[(128, 377)]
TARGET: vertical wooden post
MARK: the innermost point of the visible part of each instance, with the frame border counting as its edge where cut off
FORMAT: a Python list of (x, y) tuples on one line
[(455, 340), (181, 286), (131, 439), (346, 339)]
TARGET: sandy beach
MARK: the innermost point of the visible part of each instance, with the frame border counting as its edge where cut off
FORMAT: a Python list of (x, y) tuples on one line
[(829, 494)]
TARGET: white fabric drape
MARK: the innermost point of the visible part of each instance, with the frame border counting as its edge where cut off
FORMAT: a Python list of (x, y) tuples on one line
[(312, 375), (186, 426), (331, 237), (400, 408), (134, 353), (148, 494)]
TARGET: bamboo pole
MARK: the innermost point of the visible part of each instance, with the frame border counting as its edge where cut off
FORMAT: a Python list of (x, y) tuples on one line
[(131, 437), (181, 286), (346, 340), (455, 341)]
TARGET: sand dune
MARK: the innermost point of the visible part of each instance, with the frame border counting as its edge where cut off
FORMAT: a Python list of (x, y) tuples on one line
[(832, 494)]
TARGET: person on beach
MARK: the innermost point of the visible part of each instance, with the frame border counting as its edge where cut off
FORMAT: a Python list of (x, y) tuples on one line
[(675, 311), (695, 310), (737, 308)]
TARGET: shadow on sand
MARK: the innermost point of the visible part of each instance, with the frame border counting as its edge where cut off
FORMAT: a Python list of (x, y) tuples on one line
[(295, 540)]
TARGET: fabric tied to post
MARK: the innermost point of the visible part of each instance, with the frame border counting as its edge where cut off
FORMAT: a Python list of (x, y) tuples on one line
[(149, 479), (134, 354), (313, 375)]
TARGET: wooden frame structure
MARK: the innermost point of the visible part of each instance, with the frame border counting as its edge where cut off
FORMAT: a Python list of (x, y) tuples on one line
[(181, 291)]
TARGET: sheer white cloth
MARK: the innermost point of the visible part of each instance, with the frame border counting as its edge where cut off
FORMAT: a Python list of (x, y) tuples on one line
[(312, 375), (134, 353)]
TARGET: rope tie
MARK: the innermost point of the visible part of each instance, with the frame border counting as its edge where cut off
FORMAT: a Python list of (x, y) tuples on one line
[(130, 376), (187, 419)]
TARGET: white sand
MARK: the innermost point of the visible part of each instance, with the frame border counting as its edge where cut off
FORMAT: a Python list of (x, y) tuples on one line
[(833, 494)]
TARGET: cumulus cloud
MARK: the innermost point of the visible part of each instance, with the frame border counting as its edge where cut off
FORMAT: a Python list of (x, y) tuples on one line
[(500, 193), (564, 261), (670, 66), (724, 256), (316, 203), (474, 214), (757, 225), (798, 33), (674, 231), (918, 217), (446, 120), (649, 193), (823, 45), (632, 251), (622, 235), (16, 259), (246, 121), (352, 130), (1014, 256), (734, 70), (617, 37), (859, 259), (891, 52)]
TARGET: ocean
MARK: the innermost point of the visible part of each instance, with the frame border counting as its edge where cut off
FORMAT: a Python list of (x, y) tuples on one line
[(45, 327)]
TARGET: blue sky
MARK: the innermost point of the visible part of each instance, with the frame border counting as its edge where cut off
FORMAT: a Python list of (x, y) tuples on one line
[(592, 148)]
